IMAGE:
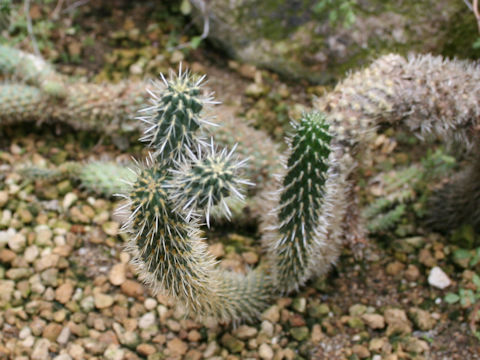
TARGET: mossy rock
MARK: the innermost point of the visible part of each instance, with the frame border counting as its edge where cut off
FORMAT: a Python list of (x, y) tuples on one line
[(288, 37)]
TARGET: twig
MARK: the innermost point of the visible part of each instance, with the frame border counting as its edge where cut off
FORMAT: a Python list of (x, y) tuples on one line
[(206, 26), (30, 28), (75, 5), (57, 9), (477, 13)]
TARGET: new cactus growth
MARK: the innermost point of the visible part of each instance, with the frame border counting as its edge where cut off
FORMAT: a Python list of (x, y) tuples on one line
[(184, 177)]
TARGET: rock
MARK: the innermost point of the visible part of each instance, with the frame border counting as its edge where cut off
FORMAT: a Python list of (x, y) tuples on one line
[(265, 352), (114, 352), (361, 351), (117, 274), (177, 347), (426, 258), (355, 322), (299, 304), (438, 278), (374, 321), (146, 349), (111, 228), (295, 40), (232, 343), (194, 336), (3, 198), (272, 314), (45, 262), (6, 256), (17, 242), (357, 310), (64, 336), (318, 310), (416, 346), (395, 267), (412, 273), (103, 301), (64, 293), (69, 200), (31, 253), (397, 322), (132, 288), (147, 320), (300, 333), (40, 350), (245, 332), (76, 351), (52, 331), (392, 315), (422, 319), (211, 350)]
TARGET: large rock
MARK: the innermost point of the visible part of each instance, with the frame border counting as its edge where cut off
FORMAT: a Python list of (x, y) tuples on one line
[(288, 37)]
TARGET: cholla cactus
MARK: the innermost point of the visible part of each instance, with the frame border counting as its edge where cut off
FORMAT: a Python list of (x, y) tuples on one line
[(184, 178)]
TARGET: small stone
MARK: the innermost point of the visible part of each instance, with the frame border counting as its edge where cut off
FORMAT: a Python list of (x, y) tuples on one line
[(374, 321), (64, 336), (87, 304), (147, 320), (117, 274), (299, 304), (40, 350), (31, 253), (376, 344), (17, 242), (47, 261), (211, 350), (300, 333), (317, 334), (64, 293), (69, 200), (76, 351), (217, 250), (194, 336), (62, 357), (318, 310), (357, 310), (6, 256), (111, 228), (412, 273), (272, 314), (232, 343), (265, 352), (438, 278), (392, 315), (44, 235), (394, 268), (114, 352), (355, 322), (416, 346), (132, 288), (426, 258), (255, 90), (146, 349), (422, 319), (51, 331), (361, 351), (397, 322), (177, 347), (150, 304), (3, 198), (103, 301), (267, 328), (244, 332)]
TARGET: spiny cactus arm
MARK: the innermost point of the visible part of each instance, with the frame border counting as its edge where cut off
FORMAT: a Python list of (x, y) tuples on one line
[(33, 70), (205, 180), (22, 103), (298, 222), (175, 115), (171, 256), (417, 90)]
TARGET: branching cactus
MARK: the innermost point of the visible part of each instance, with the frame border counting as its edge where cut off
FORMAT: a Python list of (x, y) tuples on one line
[(185, 177)]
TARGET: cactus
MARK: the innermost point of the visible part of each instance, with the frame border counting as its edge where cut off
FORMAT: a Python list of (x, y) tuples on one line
[(415, 93), (31, 69), (184, 177)]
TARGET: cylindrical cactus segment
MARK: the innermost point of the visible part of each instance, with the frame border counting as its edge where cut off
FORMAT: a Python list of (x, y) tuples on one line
[(206, 179), (301, 197), (175, 115)]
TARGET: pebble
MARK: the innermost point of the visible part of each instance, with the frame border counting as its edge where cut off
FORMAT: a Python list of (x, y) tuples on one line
[(361, 351), (299, 333), (374, 321), (64, 335), (244, 332), (103, 301), (3, 198), (31, 253), (132, 288), (114, 352), (69, 200), (40, 350), (64, 293), (437, 278), (422, 319), (265, 352), (117, 275), (17, 242), (412, 273), (146, 349), (272, 314), (147, 320), (177, 347), (232, 343)]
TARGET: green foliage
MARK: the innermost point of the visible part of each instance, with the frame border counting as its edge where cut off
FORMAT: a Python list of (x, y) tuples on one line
[(339, 11), (406, 192)]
